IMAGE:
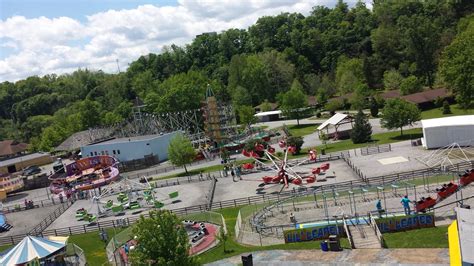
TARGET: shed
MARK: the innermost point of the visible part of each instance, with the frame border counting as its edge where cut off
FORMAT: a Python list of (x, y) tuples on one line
[(268, 116), (440, 132), (336, 121)]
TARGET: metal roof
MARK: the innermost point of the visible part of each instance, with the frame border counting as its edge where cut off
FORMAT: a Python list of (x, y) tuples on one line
[(334, 120), (465, 219), (131, 139), (277, 112), (23, 158), (462, 120)]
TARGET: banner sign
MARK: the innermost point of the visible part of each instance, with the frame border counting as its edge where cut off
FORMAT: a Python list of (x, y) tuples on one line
[(312, 233), (403, 223)]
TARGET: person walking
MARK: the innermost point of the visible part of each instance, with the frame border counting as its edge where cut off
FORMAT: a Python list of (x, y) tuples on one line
[(406, 205)]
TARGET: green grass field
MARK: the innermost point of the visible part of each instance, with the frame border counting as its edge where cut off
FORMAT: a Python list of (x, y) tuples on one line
[(438, 112), (302, 130), (377, 139), (435, 237)]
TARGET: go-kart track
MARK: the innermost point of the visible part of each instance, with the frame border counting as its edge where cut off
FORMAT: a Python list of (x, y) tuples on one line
[(108, 203)]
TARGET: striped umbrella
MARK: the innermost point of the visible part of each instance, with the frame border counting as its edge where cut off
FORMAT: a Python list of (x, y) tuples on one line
[(30, 248)]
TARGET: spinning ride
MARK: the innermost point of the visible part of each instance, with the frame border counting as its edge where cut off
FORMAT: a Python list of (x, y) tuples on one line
[(284, 168), (85, 174)]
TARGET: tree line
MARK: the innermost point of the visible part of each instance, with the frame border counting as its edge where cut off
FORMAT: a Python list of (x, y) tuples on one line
[(405, 45)]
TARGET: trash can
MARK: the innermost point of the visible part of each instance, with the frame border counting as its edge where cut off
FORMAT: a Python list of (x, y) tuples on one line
[(334, 243), (324, 245), (247, 260)]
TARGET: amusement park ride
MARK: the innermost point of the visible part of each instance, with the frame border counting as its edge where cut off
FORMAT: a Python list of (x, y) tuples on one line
[(445, 191), (284, 169)]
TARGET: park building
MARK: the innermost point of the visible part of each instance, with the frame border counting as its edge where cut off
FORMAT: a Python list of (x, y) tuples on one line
[(132, 148), (441, 132)]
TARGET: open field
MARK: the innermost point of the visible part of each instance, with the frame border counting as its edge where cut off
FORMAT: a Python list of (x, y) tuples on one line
[(438, 112)]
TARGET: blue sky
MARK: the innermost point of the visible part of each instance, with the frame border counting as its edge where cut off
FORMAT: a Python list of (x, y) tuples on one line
[(39, 37), (77, 9)]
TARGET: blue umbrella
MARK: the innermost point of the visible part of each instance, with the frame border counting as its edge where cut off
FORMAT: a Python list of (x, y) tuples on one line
[(30, 248)]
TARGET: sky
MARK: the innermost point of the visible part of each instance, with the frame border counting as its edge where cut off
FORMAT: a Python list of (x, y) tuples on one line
[(39, 37)]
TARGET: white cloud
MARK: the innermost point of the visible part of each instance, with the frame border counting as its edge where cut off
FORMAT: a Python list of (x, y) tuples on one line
[(59, 45)]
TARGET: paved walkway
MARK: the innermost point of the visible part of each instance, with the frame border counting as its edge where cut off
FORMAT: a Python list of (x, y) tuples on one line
[(426, 256)]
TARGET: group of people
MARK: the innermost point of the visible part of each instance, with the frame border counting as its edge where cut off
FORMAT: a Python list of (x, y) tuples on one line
[(405, 203), (235, 171)]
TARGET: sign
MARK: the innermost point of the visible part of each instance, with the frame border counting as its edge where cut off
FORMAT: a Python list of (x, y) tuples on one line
[(312, 233), (403, 223)]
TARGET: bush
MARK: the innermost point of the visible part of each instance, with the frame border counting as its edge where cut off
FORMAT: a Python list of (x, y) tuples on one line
[(446, 108), (410, 85), (374, 107), (334, 105)]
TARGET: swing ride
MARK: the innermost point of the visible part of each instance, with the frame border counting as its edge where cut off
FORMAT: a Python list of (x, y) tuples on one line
[(130, 195), (285, 170)]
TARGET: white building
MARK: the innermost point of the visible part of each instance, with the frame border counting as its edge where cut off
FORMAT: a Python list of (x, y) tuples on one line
[(440, 132), (127, 149)]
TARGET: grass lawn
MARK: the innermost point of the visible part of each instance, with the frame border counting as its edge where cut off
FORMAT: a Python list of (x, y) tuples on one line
[(302, 130), (435, 237), (233, 248), (438, 112), (381, 138), (208, 169)]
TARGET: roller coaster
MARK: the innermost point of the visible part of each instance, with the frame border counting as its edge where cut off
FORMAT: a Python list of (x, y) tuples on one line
[(424, 204)]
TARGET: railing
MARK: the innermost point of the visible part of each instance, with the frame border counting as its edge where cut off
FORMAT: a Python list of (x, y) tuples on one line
[(210, 194), (50, 218), (348, 232), (162, 170), (374, 226), (375, 149)]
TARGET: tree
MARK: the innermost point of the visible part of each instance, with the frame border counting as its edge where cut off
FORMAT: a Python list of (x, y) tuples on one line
[(334, 105), (293, 101), (362, 130), (456, 66), (446, 108), (246, 115), (392, 80), (349, 74), (398, 113), (265, 106), (181, 151), (297, 142), (162, 240), (374, 107), (410, 85), (222, 237)]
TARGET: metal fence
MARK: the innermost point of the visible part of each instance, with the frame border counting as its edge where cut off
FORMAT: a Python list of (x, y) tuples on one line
[(375, 149), (339, 187), (50, 218)]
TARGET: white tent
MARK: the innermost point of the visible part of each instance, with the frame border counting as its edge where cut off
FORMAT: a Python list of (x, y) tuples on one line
[(440, 132), (31, 248)]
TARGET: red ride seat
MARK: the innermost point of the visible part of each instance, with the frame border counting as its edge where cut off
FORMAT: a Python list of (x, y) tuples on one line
[(297, 181), (310, 179), (422, 205), (325, 166), (447, 191), (316, 171), (268, 179)]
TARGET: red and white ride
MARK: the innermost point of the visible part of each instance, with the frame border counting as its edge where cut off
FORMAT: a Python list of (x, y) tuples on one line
[(284, 169)]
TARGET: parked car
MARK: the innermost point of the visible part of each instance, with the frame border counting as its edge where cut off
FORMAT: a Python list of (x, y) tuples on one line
[(31, 170)]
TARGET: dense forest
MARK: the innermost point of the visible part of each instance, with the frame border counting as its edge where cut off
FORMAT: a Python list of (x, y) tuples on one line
[(404, 45)]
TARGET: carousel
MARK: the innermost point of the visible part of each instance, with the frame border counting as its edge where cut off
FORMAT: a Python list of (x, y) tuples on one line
[(84, 174)]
